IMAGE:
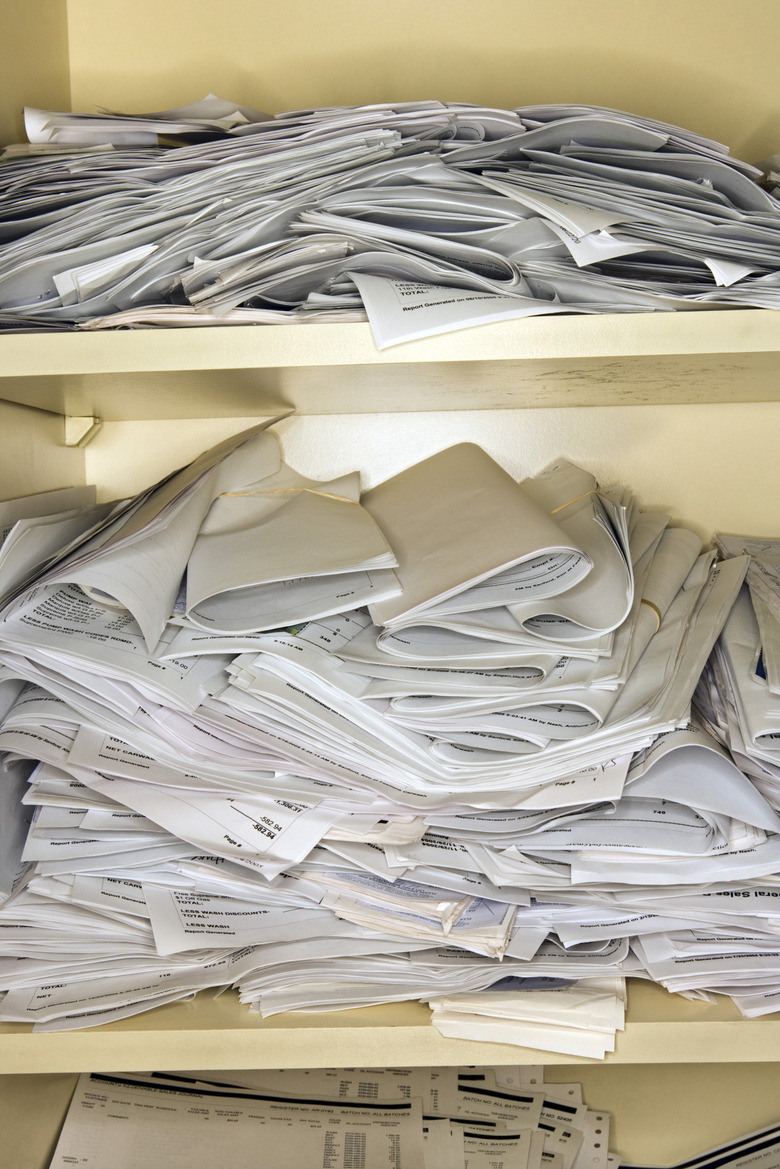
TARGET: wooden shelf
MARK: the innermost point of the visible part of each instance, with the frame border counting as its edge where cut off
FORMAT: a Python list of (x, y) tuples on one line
[(221, 1033), (236, 371)]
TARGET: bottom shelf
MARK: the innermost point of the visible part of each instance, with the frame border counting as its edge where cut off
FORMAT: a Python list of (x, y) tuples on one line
[(660, 1115), (221, 1033)]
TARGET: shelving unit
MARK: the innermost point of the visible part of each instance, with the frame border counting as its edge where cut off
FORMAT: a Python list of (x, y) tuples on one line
[(684, 408), (647, 359)]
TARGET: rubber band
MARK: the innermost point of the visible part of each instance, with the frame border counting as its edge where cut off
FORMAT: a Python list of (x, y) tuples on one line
[(592, 491), (655, 609), (289, 491)]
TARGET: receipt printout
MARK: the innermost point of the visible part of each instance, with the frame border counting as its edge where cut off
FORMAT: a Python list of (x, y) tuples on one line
[(129, 1121)]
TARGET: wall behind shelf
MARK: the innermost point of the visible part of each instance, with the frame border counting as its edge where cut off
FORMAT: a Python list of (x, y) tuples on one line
[(704, 64), (34, 455), (713, 467), (34, 63)]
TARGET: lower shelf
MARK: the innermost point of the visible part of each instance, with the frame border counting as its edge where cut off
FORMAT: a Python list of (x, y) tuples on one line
[(221, 1033), (660, 1115)]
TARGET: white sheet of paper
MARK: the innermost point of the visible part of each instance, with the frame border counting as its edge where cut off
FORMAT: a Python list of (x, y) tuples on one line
[(117, 1120)]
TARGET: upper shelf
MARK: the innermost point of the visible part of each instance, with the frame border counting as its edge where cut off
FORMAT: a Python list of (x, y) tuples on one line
[(236, 371), (220, 1033)]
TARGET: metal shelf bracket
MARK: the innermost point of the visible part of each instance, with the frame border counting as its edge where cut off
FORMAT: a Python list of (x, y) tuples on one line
[(79, 431)]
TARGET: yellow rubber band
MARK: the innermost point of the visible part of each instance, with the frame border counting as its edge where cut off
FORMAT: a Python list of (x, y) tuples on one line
[(655, 609), (593, 491), (289, 491)]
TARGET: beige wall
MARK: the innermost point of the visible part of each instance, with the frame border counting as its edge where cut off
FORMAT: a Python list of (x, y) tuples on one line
[(707, 64), (34, 66), (34, 456)]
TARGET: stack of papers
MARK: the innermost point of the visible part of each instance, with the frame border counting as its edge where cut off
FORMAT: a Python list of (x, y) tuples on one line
[(339, 750), (428, 216), (738, 697), (584, 1017), (739, 693), (429, 1118)]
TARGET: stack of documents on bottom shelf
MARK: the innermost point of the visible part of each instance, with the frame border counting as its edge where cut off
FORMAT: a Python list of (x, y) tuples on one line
[(739, 694), (425, 216), (420, 1118), (337, 750)]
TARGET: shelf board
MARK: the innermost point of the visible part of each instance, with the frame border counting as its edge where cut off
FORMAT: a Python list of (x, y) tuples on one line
[(238, 371), (221, 1033)]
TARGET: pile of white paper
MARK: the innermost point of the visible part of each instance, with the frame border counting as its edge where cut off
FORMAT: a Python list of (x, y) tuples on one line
[(428, 216), (739, 695), (338, 749), (425, 1118)]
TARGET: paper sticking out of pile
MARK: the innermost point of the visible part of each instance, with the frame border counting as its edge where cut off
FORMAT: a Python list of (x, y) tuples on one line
[(580, 1019)]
